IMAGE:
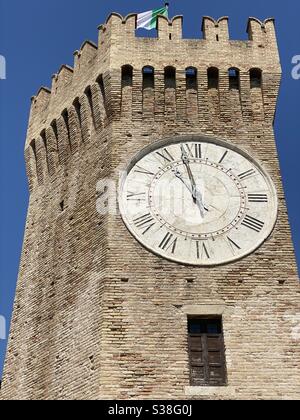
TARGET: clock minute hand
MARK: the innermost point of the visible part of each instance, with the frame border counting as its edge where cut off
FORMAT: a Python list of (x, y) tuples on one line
[(185, 160), (196, 194)]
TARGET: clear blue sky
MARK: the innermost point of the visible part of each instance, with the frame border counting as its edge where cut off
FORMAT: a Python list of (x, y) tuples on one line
[(36, 37)]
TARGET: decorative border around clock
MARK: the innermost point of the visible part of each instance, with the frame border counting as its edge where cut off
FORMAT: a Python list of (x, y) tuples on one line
[(196, 138)]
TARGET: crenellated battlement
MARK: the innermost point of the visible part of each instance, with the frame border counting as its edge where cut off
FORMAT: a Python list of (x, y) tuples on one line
[(107, 83)]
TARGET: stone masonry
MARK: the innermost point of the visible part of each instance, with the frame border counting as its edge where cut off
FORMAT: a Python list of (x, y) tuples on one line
[(97, 316)]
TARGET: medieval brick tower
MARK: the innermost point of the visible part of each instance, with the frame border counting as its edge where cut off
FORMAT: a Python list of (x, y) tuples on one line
[(97, 314)]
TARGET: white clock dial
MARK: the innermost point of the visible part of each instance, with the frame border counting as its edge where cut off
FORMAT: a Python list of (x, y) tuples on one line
[(198, 201)]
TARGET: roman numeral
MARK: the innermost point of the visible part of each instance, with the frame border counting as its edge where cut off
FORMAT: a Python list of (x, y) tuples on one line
[(168, 243), (188, 150), (257, 198), (198, 151), (136, 196), (252, 223), (166, 155), (202, 251), (223, 157), (141, 170), (233, 244), (247, 174), (145, 222)]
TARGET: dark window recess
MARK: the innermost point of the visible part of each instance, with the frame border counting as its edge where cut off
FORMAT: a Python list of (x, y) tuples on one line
[(43, 136), (213, 78), (148, 77), (234, 79), (62, 205), (255, 78), (65, 116), (77, 106), (191, 78), (88, 93), (100, 82), (127, 76), (54, 128), (170, 78), (206, 352), (33, 147)]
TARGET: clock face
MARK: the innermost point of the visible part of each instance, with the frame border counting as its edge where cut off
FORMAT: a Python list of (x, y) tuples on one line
[(198, 201)]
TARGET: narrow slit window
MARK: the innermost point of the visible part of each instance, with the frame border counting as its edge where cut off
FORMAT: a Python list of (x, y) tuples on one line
[(100, 82), (127, 76), (33, 147), (206, 352), (170, 78), (234, 79), (88, 93), (77, 106), (255, 78), (191, 78), (55, 131), (148, 77), (43, 137), (213, 78), (65, 116)]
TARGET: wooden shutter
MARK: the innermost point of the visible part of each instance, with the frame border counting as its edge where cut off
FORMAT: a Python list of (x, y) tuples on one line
[(206, 353)]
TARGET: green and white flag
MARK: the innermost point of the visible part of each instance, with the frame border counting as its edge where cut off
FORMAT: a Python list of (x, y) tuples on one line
[(148, 20)]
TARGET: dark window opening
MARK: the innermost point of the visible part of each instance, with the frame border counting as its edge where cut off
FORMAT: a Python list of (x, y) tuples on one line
[(148, 77), (213, 78), (191, 78), (234, 79), (77, 106), (127, 76), (255, 78), (217, 37), (88, 93), (65, 116), (43, 137), (101, 85), (100, 82), (170, 78), (206, 352), (62, 205), (54, 128), (170, 37), (33, 147)]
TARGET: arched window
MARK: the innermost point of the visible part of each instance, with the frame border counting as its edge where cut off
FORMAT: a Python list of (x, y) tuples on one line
[(213, 78), (191, 78), (127, 76), (148, 77), (100, 82), (234, 79), (33, 147), (77, 106), (88, 93), (255, 78), (170, 78), (65, 116), (43, 137), (55, 131)]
